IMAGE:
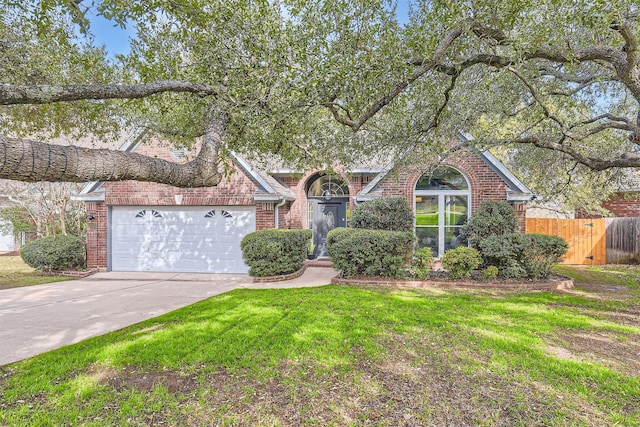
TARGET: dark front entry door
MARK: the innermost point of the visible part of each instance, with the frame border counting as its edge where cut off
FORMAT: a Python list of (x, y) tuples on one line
[(327, 216)]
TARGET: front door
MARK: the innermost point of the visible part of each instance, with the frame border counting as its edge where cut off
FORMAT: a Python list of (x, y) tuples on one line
[(326, 217)]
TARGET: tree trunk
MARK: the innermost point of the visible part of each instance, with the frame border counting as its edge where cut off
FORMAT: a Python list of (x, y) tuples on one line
[(62, 207), (33, 161)]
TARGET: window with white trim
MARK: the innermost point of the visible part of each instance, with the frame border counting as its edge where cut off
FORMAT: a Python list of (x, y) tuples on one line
[(442, 206)]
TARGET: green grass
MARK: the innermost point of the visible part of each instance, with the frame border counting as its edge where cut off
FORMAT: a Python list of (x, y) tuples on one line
[(15, 273), (454, 218), (346, 356)]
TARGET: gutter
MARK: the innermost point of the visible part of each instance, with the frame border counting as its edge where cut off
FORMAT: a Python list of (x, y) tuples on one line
[(276, 213)]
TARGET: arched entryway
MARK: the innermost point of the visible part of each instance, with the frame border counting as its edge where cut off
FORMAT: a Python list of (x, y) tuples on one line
[(328, 201), (442, 206)]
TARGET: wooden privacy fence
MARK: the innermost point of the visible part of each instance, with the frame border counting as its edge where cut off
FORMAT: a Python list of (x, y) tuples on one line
[(622, 240), (586, 237)]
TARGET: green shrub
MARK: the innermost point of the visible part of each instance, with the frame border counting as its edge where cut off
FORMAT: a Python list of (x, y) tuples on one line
[(460, 261), (490, 273), (370, 252), (493, 218), (523, 255), (54, 253), (421, 262), (386, 213), (272, 252)]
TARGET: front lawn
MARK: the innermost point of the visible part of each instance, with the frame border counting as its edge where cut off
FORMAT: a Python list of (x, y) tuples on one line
[(15, 273), (351, 356)]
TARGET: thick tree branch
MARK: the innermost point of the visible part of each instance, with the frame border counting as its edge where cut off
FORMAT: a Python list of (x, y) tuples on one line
[(422, 69), (46, 94), (628, 160), (32, 161)]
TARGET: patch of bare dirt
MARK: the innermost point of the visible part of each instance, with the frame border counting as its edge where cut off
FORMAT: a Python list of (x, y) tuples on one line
[(601, 292), (616, 353), (146, 380), (419, 384)]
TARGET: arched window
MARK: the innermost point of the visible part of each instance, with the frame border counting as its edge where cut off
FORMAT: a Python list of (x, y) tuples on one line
[(328, 186), (442, 205)]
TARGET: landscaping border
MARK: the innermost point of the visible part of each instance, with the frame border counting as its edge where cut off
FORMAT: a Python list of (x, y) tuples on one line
[(280, 277), (62, 273), (548, 285)]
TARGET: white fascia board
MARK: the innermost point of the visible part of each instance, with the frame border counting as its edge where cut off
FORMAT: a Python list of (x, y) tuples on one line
[(285, 171), (270, 198), (375, 181), (245, 165), (509, 178), (366, 170), (96, 196), (514, 196)]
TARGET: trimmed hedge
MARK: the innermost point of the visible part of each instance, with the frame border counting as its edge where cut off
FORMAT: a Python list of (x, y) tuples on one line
[(386, 213), (273, 252), (54, 253), (493, 218), (523, 255), (460, 261), (370, 252)]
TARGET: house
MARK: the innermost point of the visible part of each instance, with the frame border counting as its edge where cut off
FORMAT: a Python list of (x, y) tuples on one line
[(139, 226), (622, 204), (7, 239)]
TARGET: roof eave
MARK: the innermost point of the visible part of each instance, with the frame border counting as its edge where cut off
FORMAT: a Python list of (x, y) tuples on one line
[(497, 166), (94, 196)]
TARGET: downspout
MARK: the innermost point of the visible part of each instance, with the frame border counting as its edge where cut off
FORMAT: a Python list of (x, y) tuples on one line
[(277, 212)]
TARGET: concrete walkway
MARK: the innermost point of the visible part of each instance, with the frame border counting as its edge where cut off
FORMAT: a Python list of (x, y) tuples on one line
[(36, 319)]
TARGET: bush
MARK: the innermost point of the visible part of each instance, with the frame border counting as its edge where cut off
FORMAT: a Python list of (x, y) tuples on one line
[(272, 252), (54, 253), (460, 261), (385, 213), (490, 273), (370, 252), (493, 218), (421, 262), (523, 255)]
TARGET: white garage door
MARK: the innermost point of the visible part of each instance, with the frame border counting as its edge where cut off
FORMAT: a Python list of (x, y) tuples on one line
[(198, 239)]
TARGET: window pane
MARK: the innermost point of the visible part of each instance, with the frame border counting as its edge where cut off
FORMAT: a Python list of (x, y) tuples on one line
[(452, 238), (329, 185), (428, 237), (455, 210), (443, 178), (426, 210)]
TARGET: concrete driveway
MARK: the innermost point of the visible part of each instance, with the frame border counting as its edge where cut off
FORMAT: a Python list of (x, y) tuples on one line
[(36, 319)]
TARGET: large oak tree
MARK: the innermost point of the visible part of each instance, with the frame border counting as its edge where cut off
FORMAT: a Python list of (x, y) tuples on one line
[(553, 86)]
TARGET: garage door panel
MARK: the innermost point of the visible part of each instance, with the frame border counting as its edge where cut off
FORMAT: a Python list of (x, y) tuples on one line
[(180, 238)]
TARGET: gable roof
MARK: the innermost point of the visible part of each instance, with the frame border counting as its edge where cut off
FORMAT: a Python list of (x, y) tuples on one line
[(517, 191), (269, 190)]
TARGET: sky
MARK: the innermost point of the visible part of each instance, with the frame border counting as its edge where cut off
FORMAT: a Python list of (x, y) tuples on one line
[(116, 39)]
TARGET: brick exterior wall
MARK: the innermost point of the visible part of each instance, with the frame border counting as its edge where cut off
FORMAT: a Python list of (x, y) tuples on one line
[(97, 236), (297, 214), (621, 205), (485, 183), (238, 189)]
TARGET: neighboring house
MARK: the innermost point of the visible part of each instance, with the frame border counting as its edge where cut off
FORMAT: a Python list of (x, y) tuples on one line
[(622, 204), (138, 226), (7, 243), (7, 239)]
